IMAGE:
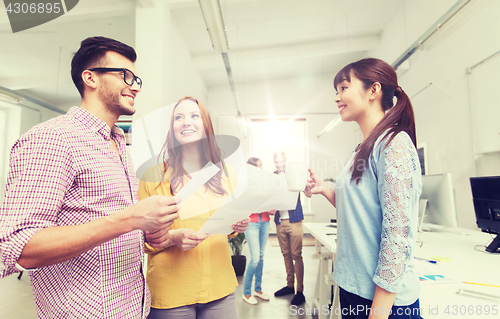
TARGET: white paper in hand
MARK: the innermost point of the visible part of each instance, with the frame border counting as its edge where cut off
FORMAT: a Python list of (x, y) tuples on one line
[(198, 180)]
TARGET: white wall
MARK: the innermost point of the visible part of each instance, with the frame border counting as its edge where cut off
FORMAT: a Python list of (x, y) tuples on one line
[(20, 118), (443, 113), (9, 134), (163, 61), (32, 114)]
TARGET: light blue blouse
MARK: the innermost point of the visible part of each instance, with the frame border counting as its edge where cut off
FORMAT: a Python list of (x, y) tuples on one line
[(377, 222)]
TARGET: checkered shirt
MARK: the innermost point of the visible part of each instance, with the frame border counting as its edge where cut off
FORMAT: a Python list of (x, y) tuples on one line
[(64, 172)]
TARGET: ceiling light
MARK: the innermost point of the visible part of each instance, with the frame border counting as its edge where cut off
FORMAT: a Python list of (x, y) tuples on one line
[(215, 24), (453, 19)]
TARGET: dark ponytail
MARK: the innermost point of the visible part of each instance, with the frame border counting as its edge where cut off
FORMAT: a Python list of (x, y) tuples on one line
[(398, 118)]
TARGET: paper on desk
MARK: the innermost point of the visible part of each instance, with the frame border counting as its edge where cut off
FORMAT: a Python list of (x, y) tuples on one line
[(257, 191), (430, 274), (198, 180)]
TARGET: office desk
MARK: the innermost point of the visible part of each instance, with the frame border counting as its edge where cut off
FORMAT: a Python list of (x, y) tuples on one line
[(325, 251), (467, 264), (437, 300)]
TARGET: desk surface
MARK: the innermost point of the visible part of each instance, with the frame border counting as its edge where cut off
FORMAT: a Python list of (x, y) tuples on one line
[(465, 264), (321, 232)]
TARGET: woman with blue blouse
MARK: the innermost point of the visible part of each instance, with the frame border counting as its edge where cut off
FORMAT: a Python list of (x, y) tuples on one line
[(376, 196)]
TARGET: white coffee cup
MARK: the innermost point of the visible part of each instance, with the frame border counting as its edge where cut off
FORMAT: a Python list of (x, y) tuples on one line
[(296, 174)]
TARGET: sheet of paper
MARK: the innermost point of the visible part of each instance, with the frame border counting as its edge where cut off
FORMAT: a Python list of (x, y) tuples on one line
[(429, 273), (286, 199), (263, 191), (198, 180), (261, 182)]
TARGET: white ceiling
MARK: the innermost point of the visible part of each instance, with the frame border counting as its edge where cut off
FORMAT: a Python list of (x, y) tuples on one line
[(268, 39)]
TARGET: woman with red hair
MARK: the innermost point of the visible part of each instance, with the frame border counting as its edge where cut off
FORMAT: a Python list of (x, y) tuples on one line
[(192, 276)]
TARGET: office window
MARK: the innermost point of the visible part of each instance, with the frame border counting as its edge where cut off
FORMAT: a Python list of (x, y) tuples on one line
[(288, 135)]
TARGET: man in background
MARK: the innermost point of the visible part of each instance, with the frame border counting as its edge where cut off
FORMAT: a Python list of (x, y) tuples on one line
[(289, 232), (70, 214)]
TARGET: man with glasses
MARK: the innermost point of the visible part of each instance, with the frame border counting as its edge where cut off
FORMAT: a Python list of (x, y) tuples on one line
[(70, 214)]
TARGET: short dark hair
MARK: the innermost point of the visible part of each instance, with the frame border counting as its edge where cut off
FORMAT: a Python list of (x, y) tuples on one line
[(92, 51), (253, 161)]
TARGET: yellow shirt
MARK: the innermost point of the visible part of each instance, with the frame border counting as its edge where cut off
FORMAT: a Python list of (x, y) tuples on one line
[(178, 278)]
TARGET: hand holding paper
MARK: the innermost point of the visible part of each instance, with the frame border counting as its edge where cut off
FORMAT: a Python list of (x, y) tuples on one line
[(241, 226), (158, 239), (258, 191), (186, 238)]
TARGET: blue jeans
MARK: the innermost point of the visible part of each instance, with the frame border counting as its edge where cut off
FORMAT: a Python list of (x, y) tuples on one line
[(356, 307), (256, 235)]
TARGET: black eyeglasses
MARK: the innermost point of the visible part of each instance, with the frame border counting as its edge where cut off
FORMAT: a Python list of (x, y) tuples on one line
[(128, 76)]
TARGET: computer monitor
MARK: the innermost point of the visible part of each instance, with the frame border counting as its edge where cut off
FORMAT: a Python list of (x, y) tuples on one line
[(440, 209), (486, 198)]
